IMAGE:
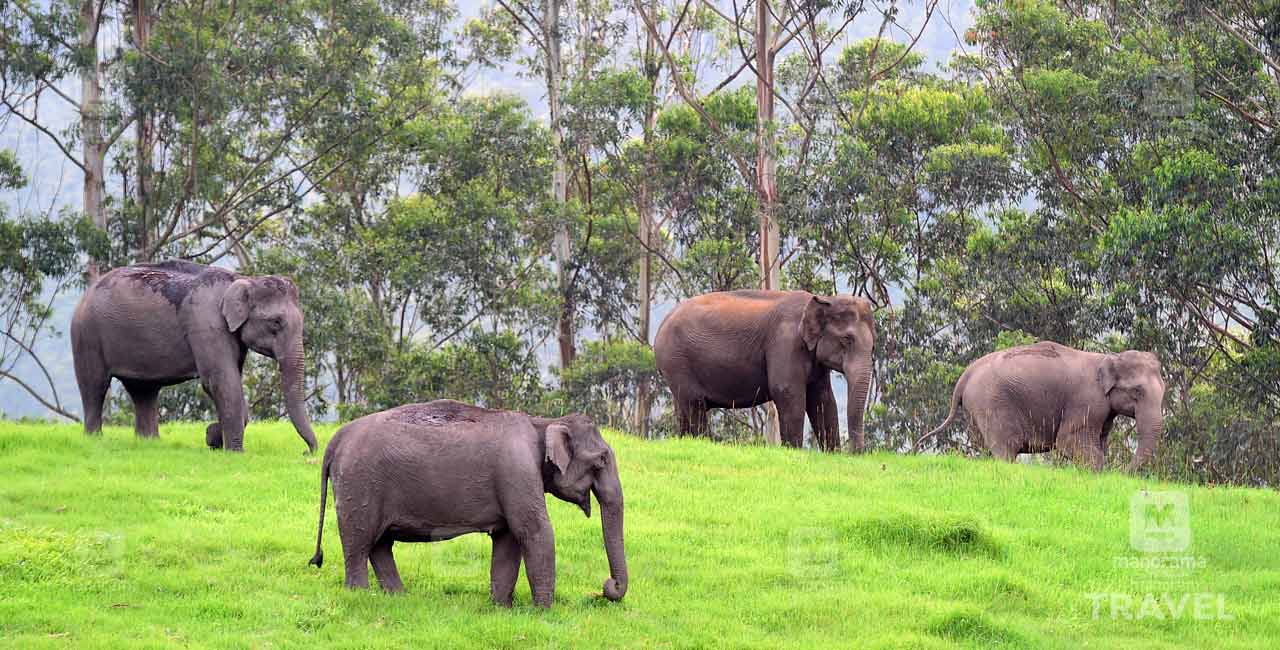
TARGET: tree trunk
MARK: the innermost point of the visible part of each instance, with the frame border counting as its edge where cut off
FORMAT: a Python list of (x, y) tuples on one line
[(766, 188), (94, 147), (145, 133), (559, 178), (646, 227)]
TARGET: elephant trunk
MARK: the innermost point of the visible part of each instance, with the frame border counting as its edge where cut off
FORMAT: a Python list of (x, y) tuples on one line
[(608, 490), (857, 375), (292, 380), (1150, 428)]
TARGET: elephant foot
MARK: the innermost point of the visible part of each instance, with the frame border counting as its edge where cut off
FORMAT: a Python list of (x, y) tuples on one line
[(213, 436)]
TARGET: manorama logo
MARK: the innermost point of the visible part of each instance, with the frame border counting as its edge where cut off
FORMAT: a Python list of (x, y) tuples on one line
[(1160, 531), (1159, 522)]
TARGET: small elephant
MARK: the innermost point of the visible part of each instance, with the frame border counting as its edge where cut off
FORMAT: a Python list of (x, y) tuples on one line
[(1034, 398), (430, 472), (156, 325), (739, 349)]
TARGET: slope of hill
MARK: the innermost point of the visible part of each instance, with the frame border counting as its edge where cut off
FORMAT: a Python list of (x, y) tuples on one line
[(125, 543)]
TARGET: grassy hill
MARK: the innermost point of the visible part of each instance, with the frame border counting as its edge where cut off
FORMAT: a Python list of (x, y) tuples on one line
[(115, 542)]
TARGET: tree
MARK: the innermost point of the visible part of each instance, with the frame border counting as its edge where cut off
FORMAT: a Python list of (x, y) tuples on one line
[(804, 27), (35, 252), (1150, 154)]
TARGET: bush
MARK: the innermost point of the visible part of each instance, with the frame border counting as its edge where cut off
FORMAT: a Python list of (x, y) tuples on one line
[(603, 379)]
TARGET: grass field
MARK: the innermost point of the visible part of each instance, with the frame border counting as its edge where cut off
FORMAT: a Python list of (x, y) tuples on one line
[(115, 542)]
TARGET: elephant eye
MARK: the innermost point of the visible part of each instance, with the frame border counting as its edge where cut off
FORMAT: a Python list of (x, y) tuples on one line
[(275, 324)]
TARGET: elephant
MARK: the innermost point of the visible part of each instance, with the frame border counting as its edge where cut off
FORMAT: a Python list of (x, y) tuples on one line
[(156, 325), (1034, 398), (739, 349), (434, 471)]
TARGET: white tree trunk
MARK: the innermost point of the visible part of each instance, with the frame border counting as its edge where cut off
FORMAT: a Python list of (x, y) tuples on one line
[(646, 226), (766, 181), (145, 131), (94, 147), (559, 176)]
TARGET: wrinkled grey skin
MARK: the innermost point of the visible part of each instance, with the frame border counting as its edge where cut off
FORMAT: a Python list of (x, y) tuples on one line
[(739, 349), (430, 472), (1034, 398), (156, 325)]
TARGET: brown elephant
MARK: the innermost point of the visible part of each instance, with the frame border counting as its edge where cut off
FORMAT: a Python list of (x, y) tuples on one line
[(434, 471), (739, 349), (1034, 398), (156, 325)]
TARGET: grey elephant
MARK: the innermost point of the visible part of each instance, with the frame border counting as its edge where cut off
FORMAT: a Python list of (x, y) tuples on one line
[(156, 325), (740, 349), (1034, 398), (434, 471)]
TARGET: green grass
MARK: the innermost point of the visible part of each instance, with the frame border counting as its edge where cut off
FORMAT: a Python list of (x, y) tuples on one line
[(117, 542)]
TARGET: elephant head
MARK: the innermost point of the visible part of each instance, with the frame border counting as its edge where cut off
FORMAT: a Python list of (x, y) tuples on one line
[(578, 462), (1133, 386), (840, 331), (265, 314)]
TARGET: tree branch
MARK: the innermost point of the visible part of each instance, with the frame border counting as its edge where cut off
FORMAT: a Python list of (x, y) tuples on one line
[(38, 397)]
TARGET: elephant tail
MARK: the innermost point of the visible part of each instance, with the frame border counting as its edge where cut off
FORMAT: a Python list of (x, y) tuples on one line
[(956, 397), (318, 558)]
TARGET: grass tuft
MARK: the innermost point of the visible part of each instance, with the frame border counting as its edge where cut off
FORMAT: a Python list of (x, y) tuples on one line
[(974, 626), (928, 532)]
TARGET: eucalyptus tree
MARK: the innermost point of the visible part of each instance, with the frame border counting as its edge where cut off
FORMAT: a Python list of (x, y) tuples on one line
[(1151, 151)]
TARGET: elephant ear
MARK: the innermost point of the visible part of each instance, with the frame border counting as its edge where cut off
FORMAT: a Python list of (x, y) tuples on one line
[(1108, 374), (814, 318), (557, 442), (235, 304)]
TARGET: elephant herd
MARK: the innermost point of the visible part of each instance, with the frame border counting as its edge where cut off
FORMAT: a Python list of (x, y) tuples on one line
[(433, 471), (744, 348)]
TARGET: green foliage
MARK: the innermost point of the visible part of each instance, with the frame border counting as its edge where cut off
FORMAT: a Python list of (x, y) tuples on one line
[(1013, 338), (493, 370), (11, 176), (1096, 176), (603, 379), (40, 260)]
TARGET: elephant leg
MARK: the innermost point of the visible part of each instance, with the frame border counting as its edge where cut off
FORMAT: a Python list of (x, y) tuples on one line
[(357, 569), (146, 407), (791, 412), (213, 436), (538, 546), (1082, 445), (213, 432), (504, 567), (359, 529), (692, 415), (384, 566), (94, 384), (820, 405), (355, 558), (1001, 431), (227, 392)]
